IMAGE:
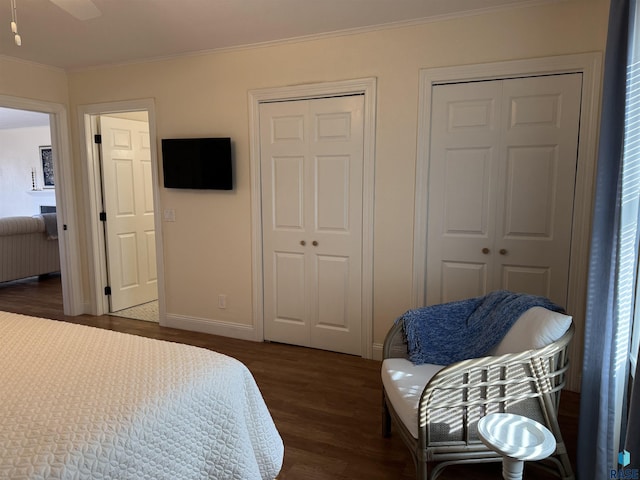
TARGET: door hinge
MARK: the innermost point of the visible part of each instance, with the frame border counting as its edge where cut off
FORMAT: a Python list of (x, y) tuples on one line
[(107, 290), (97, 138), (103, 216)]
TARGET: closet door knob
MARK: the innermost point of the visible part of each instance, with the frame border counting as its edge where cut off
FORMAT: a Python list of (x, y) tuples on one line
[(486, 251), (303, 243), (314, 243), (503, 251)]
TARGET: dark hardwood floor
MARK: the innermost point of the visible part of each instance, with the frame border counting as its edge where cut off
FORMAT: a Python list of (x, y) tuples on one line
[(327, 406)]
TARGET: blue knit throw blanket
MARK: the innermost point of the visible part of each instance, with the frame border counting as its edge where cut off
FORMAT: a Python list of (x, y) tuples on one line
[(450, 332)]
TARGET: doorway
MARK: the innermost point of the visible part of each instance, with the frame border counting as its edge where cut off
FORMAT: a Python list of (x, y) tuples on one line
[(127, 210), (501, 186), (68, 228), (367, 89), (589, 65), (125, 243), (311, 156)]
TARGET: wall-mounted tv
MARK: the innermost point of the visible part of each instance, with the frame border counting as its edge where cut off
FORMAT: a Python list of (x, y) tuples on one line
[(198, 163)]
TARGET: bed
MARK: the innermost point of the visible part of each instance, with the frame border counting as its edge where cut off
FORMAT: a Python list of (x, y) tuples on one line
[(79, 402)]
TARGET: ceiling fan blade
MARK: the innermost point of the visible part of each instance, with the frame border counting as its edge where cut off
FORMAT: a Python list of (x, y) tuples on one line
[(81, 9)]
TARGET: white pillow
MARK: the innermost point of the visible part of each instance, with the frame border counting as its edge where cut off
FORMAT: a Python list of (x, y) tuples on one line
[(536, 328)]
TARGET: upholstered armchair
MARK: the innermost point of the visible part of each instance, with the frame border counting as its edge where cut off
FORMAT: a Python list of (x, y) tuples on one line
[(436, 408)]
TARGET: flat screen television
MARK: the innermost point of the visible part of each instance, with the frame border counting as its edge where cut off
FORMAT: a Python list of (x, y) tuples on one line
[(197, 163)]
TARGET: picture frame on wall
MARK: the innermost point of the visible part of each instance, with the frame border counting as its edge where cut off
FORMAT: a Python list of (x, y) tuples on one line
[(46, 157)]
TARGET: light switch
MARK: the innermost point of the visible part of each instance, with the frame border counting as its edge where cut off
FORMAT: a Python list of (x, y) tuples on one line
[(169, 215)]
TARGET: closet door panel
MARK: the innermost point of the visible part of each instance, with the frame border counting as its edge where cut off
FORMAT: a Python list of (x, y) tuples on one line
[(462, 178), (539, 145), (501, 186), (312, 154)]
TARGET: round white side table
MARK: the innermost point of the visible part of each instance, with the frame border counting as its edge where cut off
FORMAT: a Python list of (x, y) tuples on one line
[(517, 439)]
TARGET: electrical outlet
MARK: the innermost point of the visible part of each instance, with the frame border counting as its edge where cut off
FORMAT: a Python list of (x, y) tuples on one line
[(222, 301)]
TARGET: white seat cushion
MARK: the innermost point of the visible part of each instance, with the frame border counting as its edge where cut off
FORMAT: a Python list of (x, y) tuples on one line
[(536, 328), (404, 382)]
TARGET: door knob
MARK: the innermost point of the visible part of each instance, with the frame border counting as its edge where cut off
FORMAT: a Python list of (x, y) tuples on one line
[(486, 251), (314, 243), (503, 251), (303, 243)]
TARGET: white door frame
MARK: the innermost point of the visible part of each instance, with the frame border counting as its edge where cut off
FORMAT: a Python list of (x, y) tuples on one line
[(589, 64), (68, 240), (366, 86), (93, 199)]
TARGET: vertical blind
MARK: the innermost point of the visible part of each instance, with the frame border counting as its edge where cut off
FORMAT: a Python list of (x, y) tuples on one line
[(626, 344), (628, 289)]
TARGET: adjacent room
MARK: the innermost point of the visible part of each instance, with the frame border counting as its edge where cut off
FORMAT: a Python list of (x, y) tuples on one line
[(289, 183)]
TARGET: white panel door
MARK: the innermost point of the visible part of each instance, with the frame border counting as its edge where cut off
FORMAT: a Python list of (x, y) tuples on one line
[(128, 203), (501, 187), (311, 164), (463, 172)]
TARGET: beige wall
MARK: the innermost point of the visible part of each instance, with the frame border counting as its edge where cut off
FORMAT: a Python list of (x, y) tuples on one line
[(33, 81), (208, 248), (20, 166)]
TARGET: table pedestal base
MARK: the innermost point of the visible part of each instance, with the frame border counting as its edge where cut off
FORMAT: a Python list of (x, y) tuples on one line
[(517, 439), (512, 468)]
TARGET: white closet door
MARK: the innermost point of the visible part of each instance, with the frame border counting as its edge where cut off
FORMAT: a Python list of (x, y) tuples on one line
[(463, 174), (311, 164), (501, 186)]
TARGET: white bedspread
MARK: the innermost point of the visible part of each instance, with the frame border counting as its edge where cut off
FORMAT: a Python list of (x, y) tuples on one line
[(78, 402)]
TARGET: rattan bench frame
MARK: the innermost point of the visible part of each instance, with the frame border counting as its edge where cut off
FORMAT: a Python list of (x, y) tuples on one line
[(528, 383)]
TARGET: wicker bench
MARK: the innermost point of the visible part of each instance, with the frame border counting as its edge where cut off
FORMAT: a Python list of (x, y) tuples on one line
[(436, 408)]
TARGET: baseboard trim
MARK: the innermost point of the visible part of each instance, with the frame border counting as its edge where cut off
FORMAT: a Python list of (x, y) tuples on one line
[(226, 329), (376, 351), (213, 327)]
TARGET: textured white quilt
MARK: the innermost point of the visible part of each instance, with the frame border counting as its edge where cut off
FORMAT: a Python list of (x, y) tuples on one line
[(78, 402)]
